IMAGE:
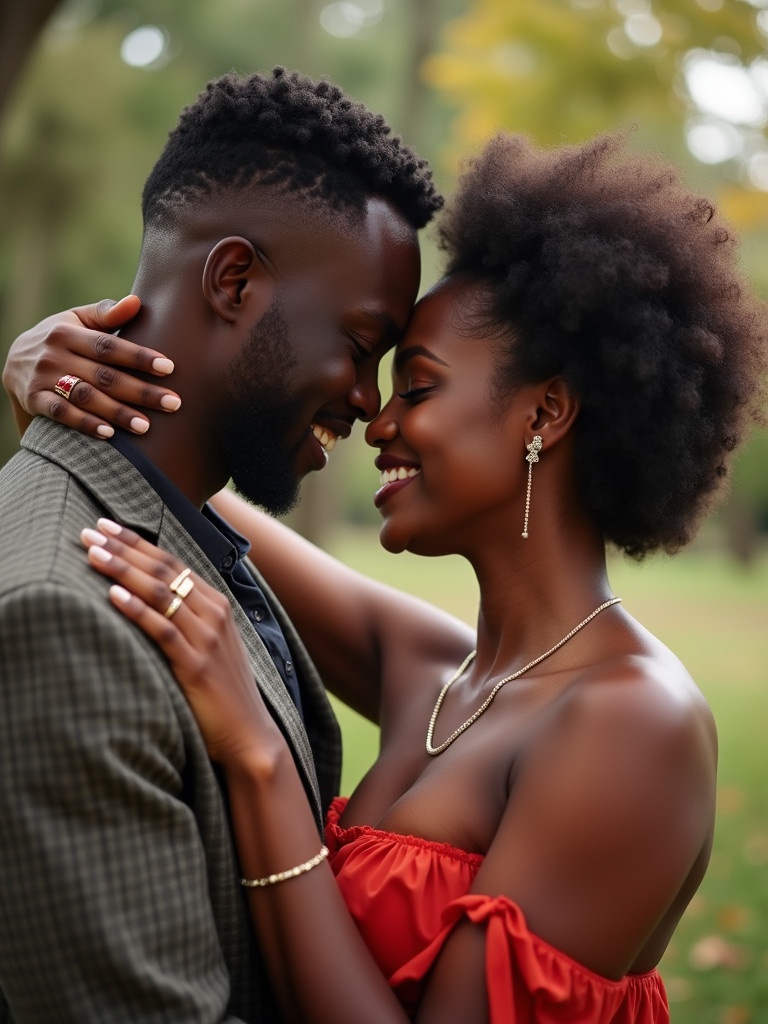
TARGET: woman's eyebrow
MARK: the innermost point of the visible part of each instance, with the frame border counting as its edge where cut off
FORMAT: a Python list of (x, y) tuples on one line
[(406, 354)]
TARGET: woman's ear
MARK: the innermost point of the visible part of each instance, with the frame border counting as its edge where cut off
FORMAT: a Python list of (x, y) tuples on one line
[(234, 276), (555, 412)]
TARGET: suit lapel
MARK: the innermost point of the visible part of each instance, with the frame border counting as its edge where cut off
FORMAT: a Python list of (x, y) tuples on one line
[(127, 497), (320, 723), (174, 538)]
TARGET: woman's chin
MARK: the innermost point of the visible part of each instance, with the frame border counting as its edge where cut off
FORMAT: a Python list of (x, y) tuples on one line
[(396, 541), (391, 541)]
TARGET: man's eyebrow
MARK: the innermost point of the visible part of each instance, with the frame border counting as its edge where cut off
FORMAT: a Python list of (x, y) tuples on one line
[(406, 354)]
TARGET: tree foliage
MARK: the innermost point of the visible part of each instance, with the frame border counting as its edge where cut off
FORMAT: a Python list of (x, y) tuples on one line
[(562, 70)]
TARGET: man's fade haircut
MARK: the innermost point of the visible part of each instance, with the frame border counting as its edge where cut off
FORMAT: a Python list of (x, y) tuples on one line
[(295, 135), (603, 267)]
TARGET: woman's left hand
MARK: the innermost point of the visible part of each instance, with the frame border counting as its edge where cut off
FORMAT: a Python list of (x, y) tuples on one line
[(193, 625)]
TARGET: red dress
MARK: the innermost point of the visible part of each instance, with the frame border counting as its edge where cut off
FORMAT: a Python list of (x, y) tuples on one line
[(406, 894)]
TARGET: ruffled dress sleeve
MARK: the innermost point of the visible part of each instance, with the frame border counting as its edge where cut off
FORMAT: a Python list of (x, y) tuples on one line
[(528, 980)]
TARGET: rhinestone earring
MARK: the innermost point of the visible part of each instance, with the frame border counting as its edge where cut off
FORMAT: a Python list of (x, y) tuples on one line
[(533, 456)]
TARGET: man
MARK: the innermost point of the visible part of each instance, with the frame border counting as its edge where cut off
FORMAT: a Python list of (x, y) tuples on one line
[(279, 261)]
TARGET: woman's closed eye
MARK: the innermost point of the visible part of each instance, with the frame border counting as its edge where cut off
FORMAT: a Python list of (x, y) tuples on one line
[(414, 394)]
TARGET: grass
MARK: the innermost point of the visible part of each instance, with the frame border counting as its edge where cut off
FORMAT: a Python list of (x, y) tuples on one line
[(714, 615)]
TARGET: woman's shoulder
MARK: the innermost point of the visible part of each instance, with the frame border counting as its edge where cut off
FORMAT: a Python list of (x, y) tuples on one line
[(642, 685), (635, 720)]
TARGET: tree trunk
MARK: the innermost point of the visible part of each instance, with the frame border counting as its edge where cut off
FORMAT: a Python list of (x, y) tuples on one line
[(21, 22), (425, 22)]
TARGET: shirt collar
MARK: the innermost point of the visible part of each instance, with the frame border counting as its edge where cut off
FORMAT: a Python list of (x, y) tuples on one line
[(220, 541)]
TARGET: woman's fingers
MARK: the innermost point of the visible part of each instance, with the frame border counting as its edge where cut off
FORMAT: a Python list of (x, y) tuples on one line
[(106, 395), (144, 569), (166, 634), (155, 591), (160, 581), (79, 344), (98, 398), (107, 314), (193, 625)]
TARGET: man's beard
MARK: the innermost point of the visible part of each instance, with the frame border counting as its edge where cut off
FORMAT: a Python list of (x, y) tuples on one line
[(262, 414)]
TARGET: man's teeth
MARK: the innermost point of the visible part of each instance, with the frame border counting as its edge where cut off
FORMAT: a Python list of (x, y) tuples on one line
[(389, 476), (326, 440)]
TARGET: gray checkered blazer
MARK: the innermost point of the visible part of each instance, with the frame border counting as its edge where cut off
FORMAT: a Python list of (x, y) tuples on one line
[(119, 888)]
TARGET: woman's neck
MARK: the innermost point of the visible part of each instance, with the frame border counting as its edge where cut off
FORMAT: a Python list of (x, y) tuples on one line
[(535, 591)]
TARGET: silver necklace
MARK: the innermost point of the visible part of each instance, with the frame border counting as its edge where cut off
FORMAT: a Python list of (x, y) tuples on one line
[(432, 750)]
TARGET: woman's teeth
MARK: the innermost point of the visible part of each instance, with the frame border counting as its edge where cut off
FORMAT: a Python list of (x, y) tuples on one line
[(388, 476)]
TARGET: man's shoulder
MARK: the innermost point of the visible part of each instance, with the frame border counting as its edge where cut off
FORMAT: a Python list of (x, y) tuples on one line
[(44, 505)]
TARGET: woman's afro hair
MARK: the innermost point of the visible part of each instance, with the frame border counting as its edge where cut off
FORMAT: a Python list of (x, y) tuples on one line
[(604, 268), (295, 134)]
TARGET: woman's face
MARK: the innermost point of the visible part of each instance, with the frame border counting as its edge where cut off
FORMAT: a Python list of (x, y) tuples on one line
[(452, 457)]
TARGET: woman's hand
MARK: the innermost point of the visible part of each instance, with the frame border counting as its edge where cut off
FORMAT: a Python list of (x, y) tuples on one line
[(75, 343), (192, 623)]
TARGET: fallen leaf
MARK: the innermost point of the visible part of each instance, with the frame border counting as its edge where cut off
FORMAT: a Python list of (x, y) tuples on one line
[(714, 951)]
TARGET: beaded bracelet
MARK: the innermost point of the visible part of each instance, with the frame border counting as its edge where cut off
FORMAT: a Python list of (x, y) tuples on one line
[(283, 876)]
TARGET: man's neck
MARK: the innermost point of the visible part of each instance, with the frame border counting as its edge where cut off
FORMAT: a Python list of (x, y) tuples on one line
[(180, 444), (180, 456)]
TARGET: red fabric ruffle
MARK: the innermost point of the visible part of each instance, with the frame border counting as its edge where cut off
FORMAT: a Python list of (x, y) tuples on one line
[(407, 894)]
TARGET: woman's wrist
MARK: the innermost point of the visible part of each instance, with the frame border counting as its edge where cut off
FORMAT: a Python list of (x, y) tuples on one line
[(258, 759)]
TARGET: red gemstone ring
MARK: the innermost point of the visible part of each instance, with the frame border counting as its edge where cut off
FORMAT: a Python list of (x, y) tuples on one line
[(64, 385)]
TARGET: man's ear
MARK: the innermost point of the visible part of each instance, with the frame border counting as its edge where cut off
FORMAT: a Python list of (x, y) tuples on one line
[(234, 277), (553, 411)]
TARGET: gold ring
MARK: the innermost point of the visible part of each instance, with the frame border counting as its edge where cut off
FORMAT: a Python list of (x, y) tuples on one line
[(64, 385), (182, 585), (174, 606)]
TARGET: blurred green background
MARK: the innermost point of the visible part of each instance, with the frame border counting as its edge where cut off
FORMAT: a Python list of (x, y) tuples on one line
[(89, 90)]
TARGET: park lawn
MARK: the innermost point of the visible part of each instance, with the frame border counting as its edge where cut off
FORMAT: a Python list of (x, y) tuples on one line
[(714, 615)]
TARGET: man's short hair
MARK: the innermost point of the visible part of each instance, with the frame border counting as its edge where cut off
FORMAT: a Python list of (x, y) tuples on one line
[(286, 131)]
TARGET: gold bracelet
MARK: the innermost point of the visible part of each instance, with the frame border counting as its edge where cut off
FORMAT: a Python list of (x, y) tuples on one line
[(283, 876)]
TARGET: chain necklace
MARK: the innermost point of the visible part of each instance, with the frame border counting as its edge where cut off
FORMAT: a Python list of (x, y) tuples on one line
[(432, 750)]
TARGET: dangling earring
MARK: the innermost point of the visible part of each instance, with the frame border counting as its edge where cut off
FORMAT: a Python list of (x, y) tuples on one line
[(533, 456)]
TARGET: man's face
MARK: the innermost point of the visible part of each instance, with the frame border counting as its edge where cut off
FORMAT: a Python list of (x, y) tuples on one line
[(343, 296)]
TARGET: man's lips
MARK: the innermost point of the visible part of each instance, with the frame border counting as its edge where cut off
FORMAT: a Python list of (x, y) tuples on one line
[(324, 437), (396, 473)]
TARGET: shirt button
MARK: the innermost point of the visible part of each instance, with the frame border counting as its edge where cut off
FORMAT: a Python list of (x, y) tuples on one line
[(256, 615), (288, 667), (228, 562)]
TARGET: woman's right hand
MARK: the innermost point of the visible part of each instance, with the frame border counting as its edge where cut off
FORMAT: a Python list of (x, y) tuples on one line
[(193, 625), (80, 342)]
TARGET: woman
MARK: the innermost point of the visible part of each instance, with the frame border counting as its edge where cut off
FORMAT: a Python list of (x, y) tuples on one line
[(541, 810)]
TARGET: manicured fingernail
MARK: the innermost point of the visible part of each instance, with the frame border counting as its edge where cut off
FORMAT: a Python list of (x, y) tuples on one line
[(162, 365), (100, 554), (170, 403), (139, 426), (108, 526), (94, 537), (119, 594), (104, 431)]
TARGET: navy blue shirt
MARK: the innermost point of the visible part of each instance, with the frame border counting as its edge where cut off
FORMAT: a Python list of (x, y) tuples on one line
[(226, 549)]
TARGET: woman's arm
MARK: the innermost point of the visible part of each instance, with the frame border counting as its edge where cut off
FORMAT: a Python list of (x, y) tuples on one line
[(353, 626), (321, 969), (80, 342)]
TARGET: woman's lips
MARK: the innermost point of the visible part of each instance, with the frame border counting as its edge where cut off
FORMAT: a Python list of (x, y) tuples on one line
[(393, 479)]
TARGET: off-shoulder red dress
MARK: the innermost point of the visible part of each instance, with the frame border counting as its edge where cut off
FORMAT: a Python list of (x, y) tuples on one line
[(406, 894)]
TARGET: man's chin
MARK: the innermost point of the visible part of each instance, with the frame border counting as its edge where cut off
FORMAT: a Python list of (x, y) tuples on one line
[(277, 500)]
